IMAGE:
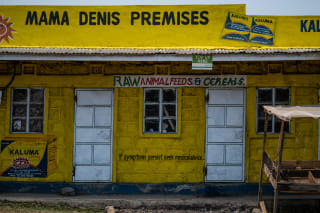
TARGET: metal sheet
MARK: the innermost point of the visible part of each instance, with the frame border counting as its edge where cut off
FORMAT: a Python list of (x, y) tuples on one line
[(234, 154), (101, 116), (226, 96), (83, 154), (216, 154), (93, 138), (96, 97), (93, 173), (224, 135), (102, 154), (235, 116), (224, 173), (98, 135), (84, 116), (215, 116)]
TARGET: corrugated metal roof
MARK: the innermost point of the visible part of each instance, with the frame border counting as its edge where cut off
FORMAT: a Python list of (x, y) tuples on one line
[(138, 51)]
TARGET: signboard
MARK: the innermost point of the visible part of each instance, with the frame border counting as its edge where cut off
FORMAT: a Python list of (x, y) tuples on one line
[(202, 62), (180, 81), (28, 157), (153, 26)]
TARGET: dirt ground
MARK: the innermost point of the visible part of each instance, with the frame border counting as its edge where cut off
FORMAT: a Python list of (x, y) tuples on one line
[(12, 207)]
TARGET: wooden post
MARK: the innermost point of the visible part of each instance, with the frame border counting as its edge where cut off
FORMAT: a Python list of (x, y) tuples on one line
[(280, 149), (262, 155)]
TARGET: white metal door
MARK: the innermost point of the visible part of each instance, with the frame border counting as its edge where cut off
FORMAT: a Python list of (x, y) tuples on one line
[(93, 135), (225, 135)]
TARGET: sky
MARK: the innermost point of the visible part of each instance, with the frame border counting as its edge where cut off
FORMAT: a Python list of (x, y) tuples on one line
[(254, 7)]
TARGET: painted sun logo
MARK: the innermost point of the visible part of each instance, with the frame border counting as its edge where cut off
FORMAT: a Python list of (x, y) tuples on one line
[(5, 29)]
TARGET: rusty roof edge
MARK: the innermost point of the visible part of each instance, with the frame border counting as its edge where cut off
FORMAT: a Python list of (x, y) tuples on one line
[(138, 51)]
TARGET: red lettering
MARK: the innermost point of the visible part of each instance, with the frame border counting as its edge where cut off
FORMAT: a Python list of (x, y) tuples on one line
[(142, 82), (161, 81), (167, 83), (189, 81)]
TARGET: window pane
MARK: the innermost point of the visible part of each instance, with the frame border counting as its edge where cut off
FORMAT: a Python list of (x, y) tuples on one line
[(20, 95), (169, 110), (282, 95), (277, 126), (35, 125), (261, 125), (169, 95), (19, 110), (36, 95), (169, 125), (152, 125), (18, 125), (152, 111), (152, 96), (36, 110), (265, 96), (261, 113)]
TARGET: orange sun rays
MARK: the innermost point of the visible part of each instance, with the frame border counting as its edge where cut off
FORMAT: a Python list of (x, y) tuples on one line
[(5, 29)]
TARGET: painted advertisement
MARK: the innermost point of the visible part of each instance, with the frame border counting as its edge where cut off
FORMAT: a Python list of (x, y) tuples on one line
[(28, 157), (171, 26), (258, 30), (180, 81)]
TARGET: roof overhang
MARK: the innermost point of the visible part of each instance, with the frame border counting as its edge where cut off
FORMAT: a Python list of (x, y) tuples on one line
[(160, 54)]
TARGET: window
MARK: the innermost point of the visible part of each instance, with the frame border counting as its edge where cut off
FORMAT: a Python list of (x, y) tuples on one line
[(160, 110), (273, 97), (27, 110)]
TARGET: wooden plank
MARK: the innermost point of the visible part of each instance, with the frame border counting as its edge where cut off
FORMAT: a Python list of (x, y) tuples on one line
[(295, 164), (289, 173), (270, 176), (299, 187), (263, 207), (263, 154), (280, 150), (312, 178)]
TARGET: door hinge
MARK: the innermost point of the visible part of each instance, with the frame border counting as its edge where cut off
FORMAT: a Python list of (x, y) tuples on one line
[(207, 98), (205, 171), (75, 98), (73, 171)]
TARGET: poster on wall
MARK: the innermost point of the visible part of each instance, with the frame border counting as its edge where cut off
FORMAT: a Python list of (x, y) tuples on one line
[(202, 62), (28, 157), (255, 29)]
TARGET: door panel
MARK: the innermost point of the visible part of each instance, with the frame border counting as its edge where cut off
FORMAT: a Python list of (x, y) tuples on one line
[(93, 136), (215, 116), (225, 135), (101, 135), (215, 156), (232, 154), (234, 116), (84, 116), (93, 173), (94, 97), (226, 96), (225, 173), (102, 154)]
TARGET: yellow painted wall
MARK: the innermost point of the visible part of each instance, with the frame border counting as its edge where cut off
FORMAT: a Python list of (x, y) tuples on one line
[(205, 31), (301, 143), (129, 141), (59, 116)]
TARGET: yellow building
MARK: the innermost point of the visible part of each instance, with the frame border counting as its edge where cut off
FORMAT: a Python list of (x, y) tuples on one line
[(164, 96)]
